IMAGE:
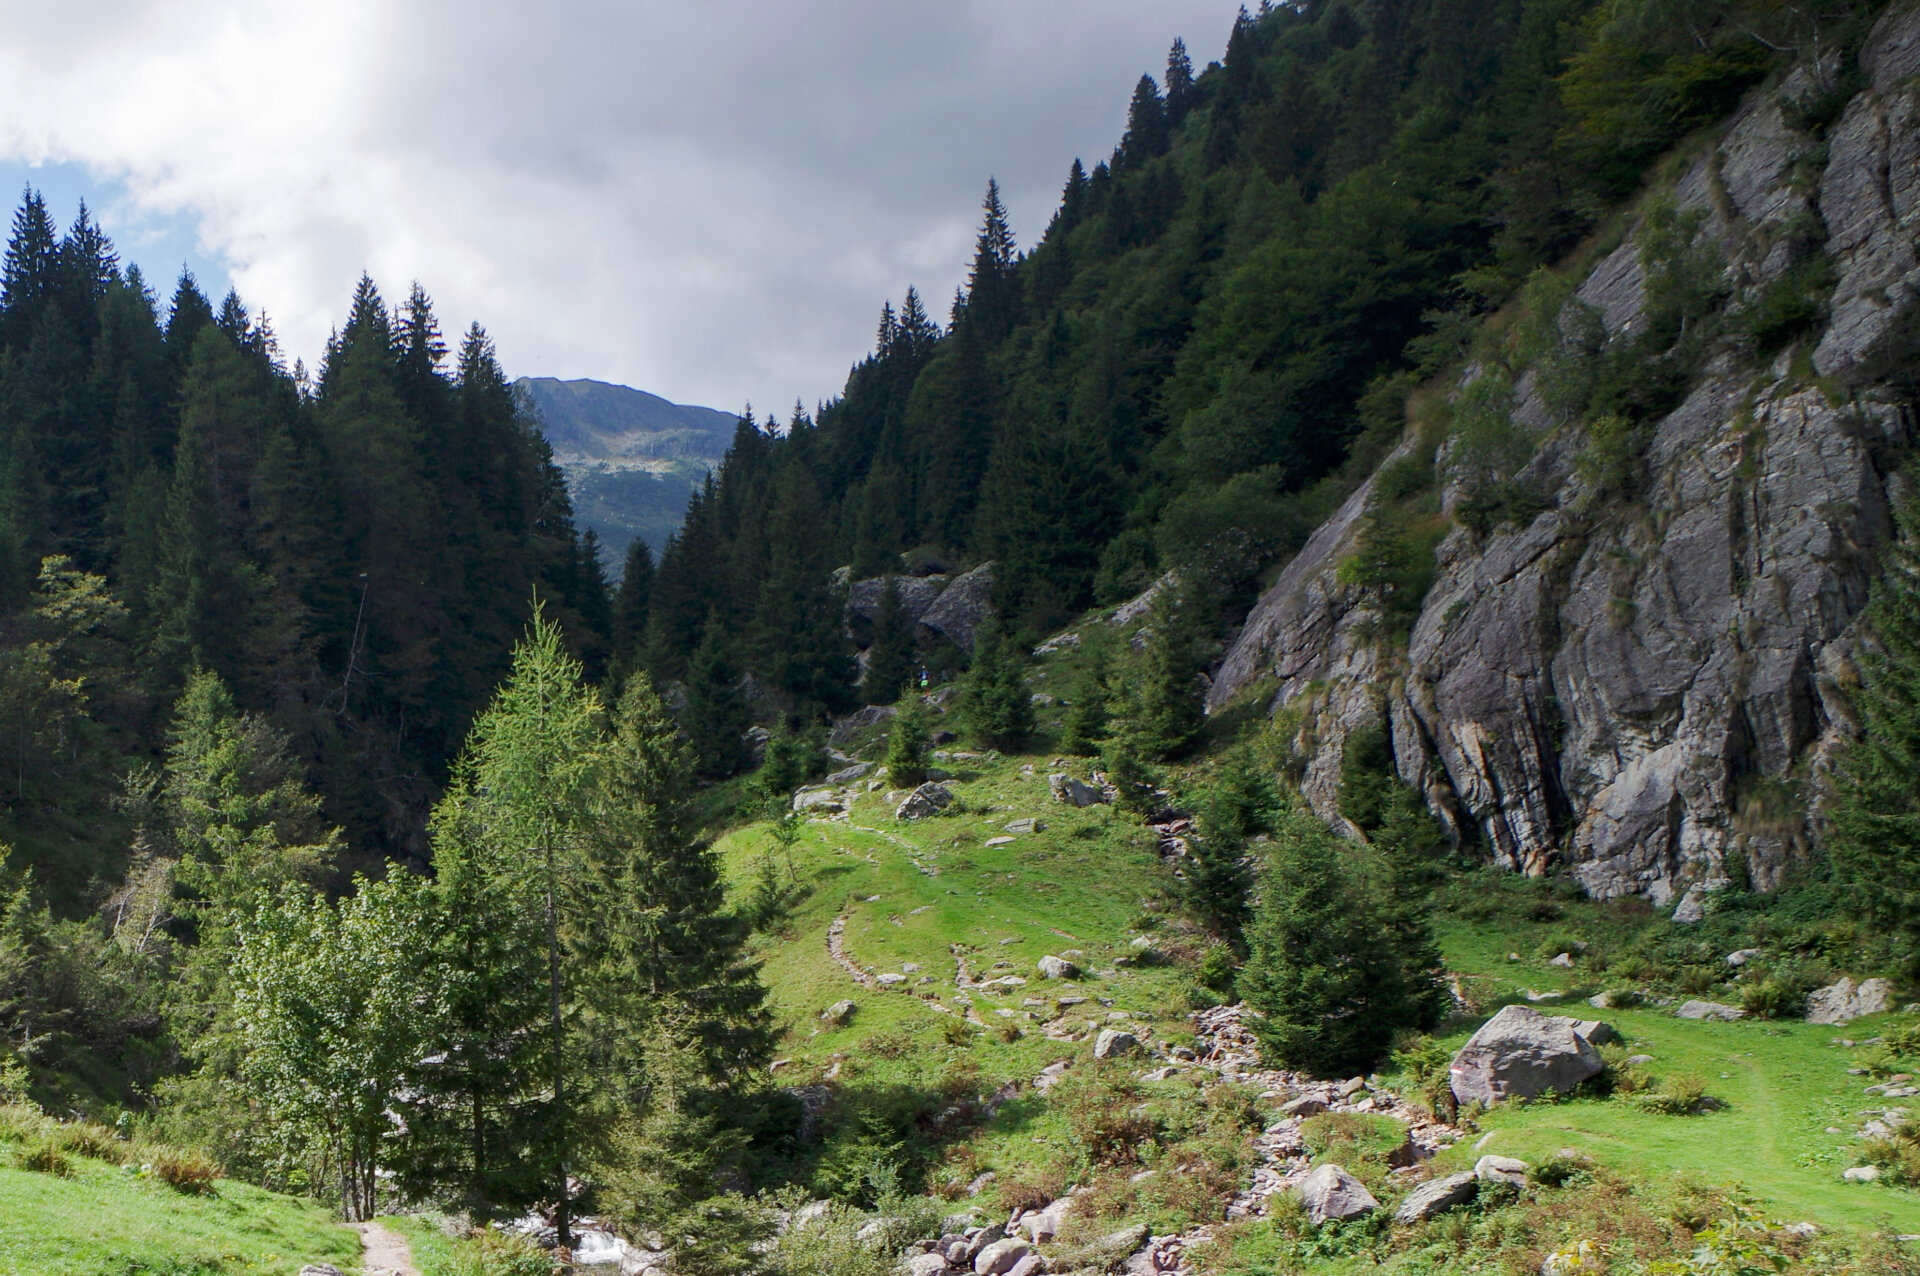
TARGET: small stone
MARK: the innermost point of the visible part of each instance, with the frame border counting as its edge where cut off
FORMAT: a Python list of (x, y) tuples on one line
[(1563, 960), (1073, 792), (890, 980), (320, 1269), (1000, 841), (1861, 1174), (1742, 957), (927, 800), (1052, 967), (928, 1265), (839, 1014), (1304, 1106), (1022, 827), (1112, 1044), (1352, 1086)]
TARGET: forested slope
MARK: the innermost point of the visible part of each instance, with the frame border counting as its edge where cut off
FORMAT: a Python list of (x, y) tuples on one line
[(352, 553), (1214, 337)]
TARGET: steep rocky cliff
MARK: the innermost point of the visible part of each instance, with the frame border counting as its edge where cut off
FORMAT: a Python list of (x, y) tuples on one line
[(1644, 675)]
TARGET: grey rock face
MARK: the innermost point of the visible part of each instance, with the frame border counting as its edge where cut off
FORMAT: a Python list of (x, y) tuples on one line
[(1613, 680), (1843, 1002), (1330, 1193), (1437, 1196), (917, 594), (961, 607), (825, 801), (1521, 1053)]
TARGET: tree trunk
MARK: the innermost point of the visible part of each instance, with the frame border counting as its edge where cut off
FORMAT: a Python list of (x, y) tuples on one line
[(563, 1216)]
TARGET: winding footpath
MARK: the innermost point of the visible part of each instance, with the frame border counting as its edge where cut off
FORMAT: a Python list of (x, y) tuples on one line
[(385, 1252)]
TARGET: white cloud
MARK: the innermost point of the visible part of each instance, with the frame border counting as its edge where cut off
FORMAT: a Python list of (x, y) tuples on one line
[(707, 200)]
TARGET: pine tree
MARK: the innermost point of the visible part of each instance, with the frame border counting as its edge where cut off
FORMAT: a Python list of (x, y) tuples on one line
[(510, 845), (994, 700), (631, 602), (659, 931), (1179, 83), (908, 741), (1873, 815), (1084, 725), (1335, 966), (1165, 703), (715, 717), (891, 657), (30, 274), (1146, 136), (992, 294)]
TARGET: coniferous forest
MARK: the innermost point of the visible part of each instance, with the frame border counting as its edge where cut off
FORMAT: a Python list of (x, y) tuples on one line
[(363, 839)]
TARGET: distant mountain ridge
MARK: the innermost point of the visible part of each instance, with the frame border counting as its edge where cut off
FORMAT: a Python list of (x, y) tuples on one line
[(598, 421), (632, 459)]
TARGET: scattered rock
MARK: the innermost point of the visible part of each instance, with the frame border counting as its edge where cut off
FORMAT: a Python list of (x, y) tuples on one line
[(1521, 1053), (1052, 967), (1709, 1010), (1501, 1169), (1861, 1174), (839, 1014), (1352, 1086), (1437, 1197), (1690, 909), (823, 800), (928, 1265), (1330, 1193), (929, 799), (890, 980), (1844, 1002), (1112, 1044), (1001, 841), (845, 729), (1304, 1106), (1742, 957), (1071, 791), (1563, 960), (1600, 1034), (320, 1269), (1000, 1257), (1027, 825)]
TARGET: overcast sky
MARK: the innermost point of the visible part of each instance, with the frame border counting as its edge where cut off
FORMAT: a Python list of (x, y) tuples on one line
[(706, 200)]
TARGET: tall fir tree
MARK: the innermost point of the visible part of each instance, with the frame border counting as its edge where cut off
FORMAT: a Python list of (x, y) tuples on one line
[(892, 656), (994, 700)]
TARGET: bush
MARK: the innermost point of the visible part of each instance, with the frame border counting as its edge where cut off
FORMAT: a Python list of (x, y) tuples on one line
[(43, 1156), (1681, 1095), (187, 1172), (1562, 1168), (1102, 1109)]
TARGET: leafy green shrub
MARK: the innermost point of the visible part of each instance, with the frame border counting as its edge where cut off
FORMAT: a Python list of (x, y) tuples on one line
[(1682, 1094), (1773, 999), (1621, 1077), (1365, 1144), (1427, 1064), (1791, 305), (1102, 1109), (1218, 969), (84, 1138), (43, 1156), (486, 1252), (1897, 1153), (1877, 1061)]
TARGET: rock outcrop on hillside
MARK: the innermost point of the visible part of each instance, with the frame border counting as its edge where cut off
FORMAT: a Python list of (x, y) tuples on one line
[(1649, 688)]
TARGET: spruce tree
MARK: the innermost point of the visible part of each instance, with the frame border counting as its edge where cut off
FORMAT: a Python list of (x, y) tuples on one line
[(891, 657), (1084, 725), (908, 742), (1146, 136), (994, 701), (1873, 815), (715, 717), (667, 951), (1179, 83), (631, 601), (1164, 700), (1336, 966)]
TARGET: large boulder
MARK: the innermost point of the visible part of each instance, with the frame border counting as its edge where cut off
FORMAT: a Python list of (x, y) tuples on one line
[(917, 593), (1844, 1002), (961, 607), (1501, 1169), (1437, 1197), (929, 799), (1073, 792), (1053, 967), (1709, 1010), (1112, 1044), (1521, 1053), (1000, 1257), (1331, 1193), (839, 1014)]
